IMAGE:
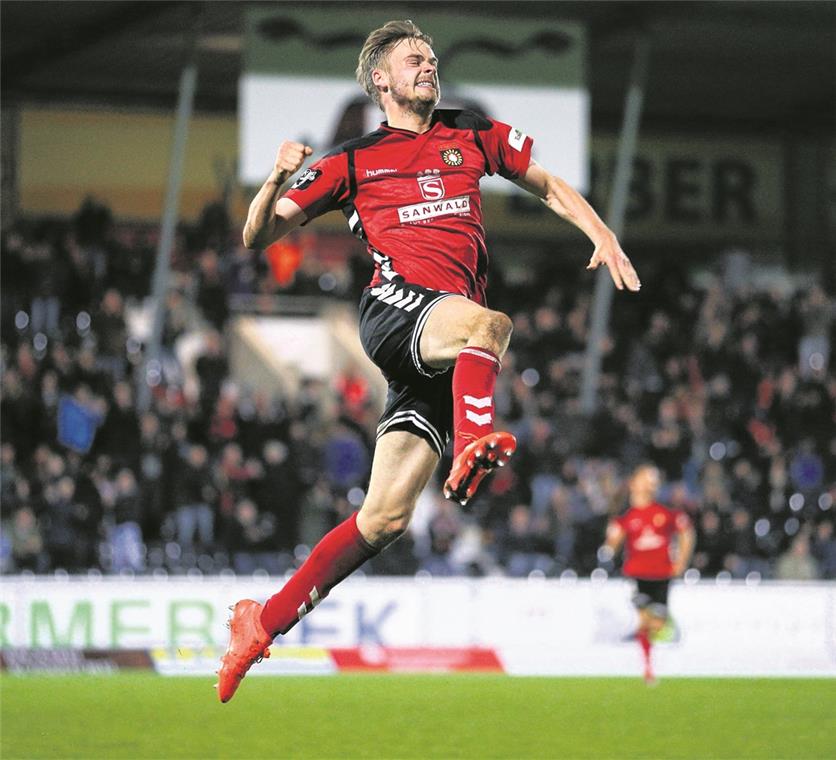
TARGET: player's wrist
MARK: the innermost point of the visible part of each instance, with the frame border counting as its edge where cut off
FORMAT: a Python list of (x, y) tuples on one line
[(602, 234), (277, 177)]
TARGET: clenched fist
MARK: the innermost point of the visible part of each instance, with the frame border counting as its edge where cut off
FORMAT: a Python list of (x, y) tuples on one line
[(291, 156)]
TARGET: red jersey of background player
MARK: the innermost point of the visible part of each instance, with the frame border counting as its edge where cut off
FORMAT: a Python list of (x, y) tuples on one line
[(648, 531), (414, 198)]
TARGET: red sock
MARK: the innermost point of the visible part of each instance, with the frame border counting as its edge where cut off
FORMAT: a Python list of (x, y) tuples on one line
[(644, 643), (474, 378), (335, 557)]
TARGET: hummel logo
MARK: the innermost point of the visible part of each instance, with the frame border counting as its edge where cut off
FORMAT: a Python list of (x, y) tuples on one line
[(375, 172)]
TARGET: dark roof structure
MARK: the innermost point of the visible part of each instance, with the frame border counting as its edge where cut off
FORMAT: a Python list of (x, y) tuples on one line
[(725, 66)]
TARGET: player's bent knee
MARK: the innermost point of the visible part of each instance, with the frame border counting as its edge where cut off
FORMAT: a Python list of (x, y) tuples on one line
[(380, 528), (503, 325), (493, 331)]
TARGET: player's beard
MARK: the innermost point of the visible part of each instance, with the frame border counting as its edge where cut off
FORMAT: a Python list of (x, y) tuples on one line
[(422, 107)]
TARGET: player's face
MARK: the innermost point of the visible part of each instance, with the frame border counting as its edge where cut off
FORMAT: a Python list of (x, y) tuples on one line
[(412, 73), (645, 483)]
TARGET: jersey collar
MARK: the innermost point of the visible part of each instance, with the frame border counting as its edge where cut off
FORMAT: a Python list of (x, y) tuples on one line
[(408, 132)]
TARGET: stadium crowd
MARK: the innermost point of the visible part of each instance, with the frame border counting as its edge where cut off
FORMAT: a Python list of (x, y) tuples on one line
[(728, 389)]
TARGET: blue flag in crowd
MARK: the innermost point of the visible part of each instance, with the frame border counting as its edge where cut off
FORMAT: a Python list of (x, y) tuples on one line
[(77, 425)]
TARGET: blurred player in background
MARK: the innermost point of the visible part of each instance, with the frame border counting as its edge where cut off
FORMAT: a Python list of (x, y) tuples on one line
[(652, 556), (410, 190)]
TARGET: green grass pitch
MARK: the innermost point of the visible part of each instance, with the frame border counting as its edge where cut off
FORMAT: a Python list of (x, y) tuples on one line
[(431, 716)]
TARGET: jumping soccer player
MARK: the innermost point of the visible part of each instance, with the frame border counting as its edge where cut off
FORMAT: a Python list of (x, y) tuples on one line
[(648, 529), (410, 190)]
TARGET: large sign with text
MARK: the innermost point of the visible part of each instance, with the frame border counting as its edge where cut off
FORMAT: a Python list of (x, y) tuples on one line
[(544, 627)]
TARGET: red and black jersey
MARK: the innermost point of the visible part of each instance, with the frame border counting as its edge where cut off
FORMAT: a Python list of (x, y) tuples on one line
[(415, 198), (648, 532)]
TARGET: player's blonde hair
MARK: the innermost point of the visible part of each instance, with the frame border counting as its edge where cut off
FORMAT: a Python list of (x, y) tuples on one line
[(377, 47)]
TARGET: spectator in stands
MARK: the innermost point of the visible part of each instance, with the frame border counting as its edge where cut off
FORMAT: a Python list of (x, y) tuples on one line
[(248, 536), (823, 549), (279, 493), (126, 518), (261, 419), (9, 472), (563, 528), (232, 479), (211, 294), (443, 529), (796, 564), (109, 324), (243, 271), (742, 546), (27, 544), (527, 545), (69, 536), (712, 544), (48, 274), (153, 444), (119, 433), (19, 412), (818, 314), (751, 381), (346, 457), (212, 368), (194, 494), (223, 427)]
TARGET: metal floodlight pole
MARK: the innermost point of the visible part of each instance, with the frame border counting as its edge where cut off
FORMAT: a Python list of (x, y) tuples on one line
[(615, 220), (152, 368)]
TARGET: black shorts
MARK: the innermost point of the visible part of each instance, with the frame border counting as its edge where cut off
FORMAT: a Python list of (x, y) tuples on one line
[(653, 595), (420, 398)]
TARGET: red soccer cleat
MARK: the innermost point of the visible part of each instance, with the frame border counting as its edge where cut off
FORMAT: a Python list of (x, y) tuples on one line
[(248, 643), (475, 461)]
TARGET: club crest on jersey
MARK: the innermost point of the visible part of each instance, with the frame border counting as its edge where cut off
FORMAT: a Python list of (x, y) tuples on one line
[(305, 179), (452, 157), (430, 184)]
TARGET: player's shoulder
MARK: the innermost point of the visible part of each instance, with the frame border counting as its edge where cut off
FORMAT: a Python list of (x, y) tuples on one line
[(671, 513), (625, 515), (358, 143), (460, 118)]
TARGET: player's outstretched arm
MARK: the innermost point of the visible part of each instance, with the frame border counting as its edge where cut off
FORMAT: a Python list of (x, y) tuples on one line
[(568, 203), (270, 216)]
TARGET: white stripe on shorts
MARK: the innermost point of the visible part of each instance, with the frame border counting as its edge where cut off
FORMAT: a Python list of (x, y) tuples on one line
[(411, 416), (416, 335)]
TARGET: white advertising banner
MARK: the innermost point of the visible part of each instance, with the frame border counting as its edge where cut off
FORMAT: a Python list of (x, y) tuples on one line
[(557, 119), (542, 627), (298, 81)]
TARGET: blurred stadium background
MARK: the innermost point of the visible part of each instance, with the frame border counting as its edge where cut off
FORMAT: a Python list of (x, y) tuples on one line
[(192, 440)]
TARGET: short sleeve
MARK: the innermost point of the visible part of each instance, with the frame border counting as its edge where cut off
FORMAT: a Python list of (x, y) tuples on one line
[(507, 150), (322, 187)]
